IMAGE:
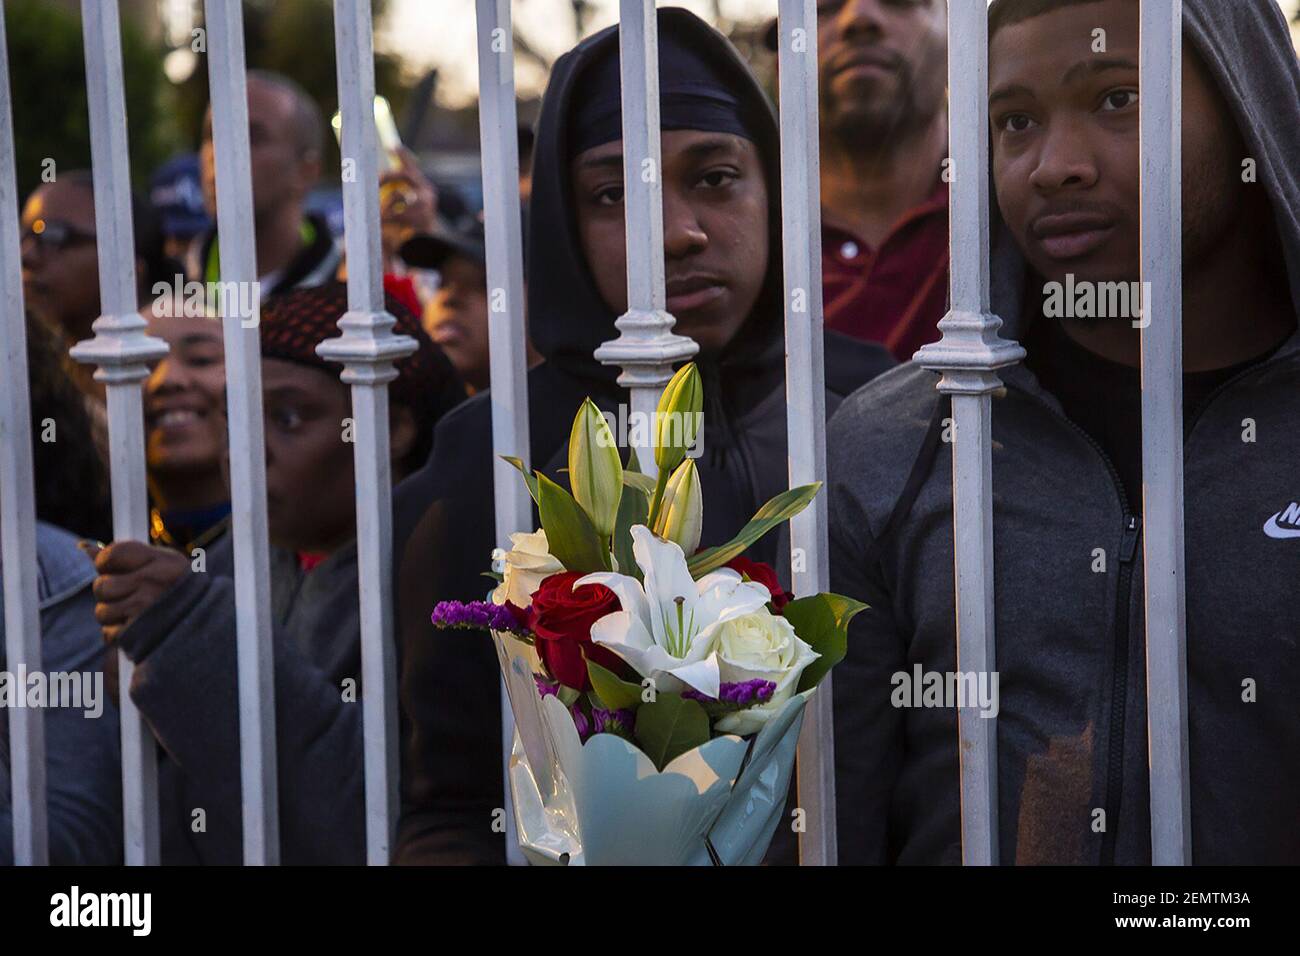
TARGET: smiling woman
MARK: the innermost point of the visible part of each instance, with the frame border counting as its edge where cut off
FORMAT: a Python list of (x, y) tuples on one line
[(175, 627), (185, 429)]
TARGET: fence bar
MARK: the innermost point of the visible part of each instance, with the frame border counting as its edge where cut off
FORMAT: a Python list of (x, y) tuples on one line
[(967, 356), (1162, 430), (238, 255), (499, 146), (806, 392), (122, 351), (22, 620), (367, 349), (646, 347)]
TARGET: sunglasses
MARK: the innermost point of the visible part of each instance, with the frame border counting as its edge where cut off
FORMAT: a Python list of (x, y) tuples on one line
[(55, 234)]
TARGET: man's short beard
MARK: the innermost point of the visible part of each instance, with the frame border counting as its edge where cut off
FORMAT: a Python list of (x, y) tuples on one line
[(877, 125)]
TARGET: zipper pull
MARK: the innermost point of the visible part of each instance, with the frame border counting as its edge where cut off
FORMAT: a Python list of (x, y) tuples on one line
[(1128, 544)]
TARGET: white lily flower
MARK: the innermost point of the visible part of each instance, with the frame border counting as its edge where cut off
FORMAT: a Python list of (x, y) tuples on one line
[(668, 627)]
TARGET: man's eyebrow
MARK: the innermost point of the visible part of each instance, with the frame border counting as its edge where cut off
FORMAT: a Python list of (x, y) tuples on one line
[(607, 161), (707, 147), (1008, 92), (696, 150), (1094, 65)]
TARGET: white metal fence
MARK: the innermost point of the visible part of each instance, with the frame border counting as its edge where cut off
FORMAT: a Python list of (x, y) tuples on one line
[(968, 357)]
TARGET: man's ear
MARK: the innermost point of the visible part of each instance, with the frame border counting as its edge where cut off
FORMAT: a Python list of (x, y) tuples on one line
[(403, 433)]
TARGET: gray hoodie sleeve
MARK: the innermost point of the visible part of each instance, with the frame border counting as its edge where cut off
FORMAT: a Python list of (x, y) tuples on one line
[(868, 730), (84, 787), (185, 686)]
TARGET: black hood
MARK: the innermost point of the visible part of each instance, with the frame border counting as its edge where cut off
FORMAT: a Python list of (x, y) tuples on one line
[(567, 319)]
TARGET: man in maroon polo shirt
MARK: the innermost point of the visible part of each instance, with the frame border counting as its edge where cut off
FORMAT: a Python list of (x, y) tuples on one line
[(884, 138)]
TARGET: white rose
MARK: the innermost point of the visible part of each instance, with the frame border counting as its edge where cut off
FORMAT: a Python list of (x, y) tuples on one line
[(527, 564), (760, 646)]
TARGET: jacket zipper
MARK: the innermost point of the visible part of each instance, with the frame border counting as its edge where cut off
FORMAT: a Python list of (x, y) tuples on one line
[(1131, 532), (1119, 687), (1128, 552)]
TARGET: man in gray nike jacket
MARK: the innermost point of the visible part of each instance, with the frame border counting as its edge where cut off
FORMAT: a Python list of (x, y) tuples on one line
[(1072, 742)]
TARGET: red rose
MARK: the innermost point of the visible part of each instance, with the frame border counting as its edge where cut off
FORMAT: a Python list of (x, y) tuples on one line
[(561, 617), (765, 575)]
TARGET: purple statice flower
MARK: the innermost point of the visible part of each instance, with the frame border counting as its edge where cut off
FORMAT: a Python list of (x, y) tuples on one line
[(551, 688), (743, 694), (748, 692), (481, 615)]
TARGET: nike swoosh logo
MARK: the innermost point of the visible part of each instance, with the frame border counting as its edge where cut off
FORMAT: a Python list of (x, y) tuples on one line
[(1275, 530)]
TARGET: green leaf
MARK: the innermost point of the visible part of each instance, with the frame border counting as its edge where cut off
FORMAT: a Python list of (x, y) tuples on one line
[(642, 483), (567, 695), (780, 509), (633, 509), (529, 478), (822, 622), (614, 692), (495, 576), (670, 726), (570, 535)]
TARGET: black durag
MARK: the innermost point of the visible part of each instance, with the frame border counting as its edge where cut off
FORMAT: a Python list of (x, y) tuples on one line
[(693, 94)]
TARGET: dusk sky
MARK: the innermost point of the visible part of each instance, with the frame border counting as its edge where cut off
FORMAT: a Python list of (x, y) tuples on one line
[(446, 39)]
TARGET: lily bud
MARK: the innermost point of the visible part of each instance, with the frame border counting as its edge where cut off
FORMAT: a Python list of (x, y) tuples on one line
[(595, 470), (677, 419), (681, 519)]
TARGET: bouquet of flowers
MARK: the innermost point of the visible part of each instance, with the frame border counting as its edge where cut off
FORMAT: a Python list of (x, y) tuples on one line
[(658, 689)]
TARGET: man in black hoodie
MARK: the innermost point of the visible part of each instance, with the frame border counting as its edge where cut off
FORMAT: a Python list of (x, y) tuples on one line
[(720, 168), (1072, 748)]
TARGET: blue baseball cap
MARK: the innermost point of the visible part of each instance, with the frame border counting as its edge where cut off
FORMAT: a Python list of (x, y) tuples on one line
[(176, 193)]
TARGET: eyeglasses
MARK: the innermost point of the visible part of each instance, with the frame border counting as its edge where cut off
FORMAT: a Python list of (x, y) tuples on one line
[(56, 234)]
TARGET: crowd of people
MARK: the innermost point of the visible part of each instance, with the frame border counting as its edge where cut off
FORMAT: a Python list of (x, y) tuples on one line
[(1066, 450)]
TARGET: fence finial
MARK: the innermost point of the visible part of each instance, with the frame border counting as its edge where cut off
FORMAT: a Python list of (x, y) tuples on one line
[(123, 352), (968, 357), (646, 348)]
